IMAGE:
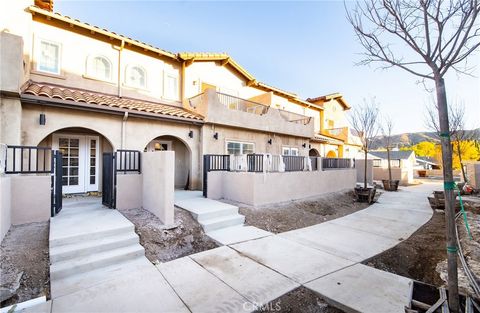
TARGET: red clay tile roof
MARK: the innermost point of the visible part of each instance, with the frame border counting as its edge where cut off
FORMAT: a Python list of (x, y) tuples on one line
[(77, 95)]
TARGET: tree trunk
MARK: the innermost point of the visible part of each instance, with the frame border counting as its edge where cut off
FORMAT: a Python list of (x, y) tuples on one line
[(365, 171), (459, 151), (453, 300), (389, 166)]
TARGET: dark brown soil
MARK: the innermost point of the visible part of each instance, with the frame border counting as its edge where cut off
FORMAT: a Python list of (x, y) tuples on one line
[(299, 300), (164, 244), (418, 256), (24, 263), (298, 214)]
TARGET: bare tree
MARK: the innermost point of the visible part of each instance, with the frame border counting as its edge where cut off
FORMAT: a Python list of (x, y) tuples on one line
[(426, 38), (387, 130), (364, 120), (460, 136)]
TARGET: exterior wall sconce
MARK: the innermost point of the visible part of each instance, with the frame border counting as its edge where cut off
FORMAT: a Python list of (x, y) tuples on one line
[(309, 146), (304, 145), (42, 119), (270, 141), (190, 134), (215, 136)]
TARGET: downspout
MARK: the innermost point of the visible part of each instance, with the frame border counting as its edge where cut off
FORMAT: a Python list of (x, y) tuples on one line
[(182, 86), (119, 80), (124, 130)]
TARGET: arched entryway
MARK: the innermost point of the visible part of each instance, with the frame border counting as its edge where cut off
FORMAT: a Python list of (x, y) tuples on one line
[(182, 157), (82, 151), (331, 154), (313, 153)]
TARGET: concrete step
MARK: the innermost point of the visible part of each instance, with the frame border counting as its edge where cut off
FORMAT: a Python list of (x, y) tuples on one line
[(222, 222), (80, 281), (217, 213), (94, 261), (74, 239), (83, 248)]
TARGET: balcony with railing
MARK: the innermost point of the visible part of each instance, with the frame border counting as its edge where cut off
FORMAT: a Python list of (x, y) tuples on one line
[(224, 109)]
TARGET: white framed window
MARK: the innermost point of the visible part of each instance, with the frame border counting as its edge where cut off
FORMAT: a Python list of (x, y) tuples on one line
[(48, 57), (289, 151), (170, 85), (136, 76), (99, 67), (239, 148)]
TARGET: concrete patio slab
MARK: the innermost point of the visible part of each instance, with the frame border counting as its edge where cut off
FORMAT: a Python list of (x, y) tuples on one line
[(200, 290), (360, 288), (254, 281), (341, 241), (236, 234), (98, 219), (145, 291), (296, 261)]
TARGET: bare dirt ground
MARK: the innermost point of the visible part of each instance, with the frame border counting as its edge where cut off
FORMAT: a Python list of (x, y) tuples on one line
[(298, 214), (423, 255), (162, 244), (471, 251), (418, 256), (24, 263), (299, 300)]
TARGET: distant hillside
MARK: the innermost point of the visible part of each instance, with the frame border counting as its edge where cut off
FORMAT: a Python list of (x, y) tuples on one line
[(409, 139)]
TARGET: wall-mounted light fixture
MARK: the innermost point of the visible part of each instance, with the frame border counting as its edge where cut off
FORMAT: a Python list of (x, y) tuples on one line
[(270, 141), (304, 145), (190, 134), (42, 119), (215, 136), (309, 146)]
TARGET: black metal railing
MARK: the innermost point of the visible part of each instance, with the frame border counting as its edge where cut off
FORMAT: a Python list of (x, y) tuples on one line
[(216, 162), (314, 161), (335, 163), (129, 161), (255, 162), (28, 160), (293, 163)]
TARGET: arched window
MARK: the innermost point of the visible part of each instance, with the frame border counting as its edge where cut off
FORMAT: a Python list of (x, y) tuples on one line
[(136, 76), (99, 67)]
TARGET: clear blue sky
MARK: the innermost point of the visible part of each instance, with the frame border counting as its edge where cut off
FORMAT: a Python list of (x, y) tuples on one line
[(304, 47)]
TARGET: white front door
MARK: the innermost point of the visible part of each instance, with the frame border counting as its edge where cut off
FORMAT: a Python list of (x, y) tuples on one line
[(80, 162)]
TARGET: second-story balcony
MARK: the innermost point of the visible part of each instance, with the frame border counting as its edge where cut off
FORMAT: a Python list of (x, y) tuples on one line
[(224, 109)]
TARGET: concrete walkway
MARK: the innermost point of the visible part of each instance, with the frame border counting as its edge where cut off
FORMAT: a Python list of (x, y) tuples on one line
[(241, 276), (220, 221)]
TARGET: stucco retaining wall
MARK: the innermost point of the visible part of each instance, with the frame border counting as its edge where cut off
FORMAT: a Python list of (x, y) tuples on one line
[(158, 184), (404, 175), (258, 189), (5, 206), (129, 191), (30, 199)]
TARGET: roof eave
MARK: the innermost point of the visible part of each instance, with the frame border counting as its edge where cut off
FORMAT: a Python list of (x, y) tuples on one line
[(51, 15), (29, 98)]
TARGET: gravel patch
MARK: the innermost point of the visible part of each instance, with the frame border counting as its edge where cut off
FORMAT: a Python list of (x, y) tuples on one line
[(302, 213), (24, 263)]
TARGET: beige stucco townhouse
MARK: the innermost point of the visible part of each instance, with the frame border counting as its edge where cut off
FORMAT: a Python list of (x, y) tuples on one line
[(86, 91)]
